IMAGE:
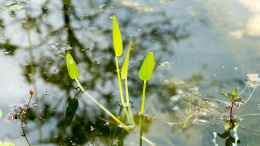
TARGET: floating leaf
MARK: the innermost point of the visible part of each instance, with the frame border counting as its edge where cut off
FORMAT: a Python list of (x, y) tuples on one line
[(124, 71), (72, 67), (146, 70), (117, 39)]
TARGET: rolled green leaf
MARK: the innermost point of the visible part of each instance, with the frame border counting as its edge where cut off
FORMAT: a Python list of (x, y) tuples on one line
[(146, 70), (124, 71), (234, 92), (234, 95), (117, 38), (72, 67)]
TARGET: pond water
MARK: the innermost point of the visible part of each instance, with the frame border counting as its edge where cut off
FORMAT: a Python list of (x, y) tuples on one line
[(201, 47)]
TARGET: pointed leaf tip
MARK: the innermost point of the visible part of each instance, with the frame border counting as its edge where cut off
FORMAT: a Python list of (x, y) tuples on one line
[(117, 38), (146, 70), (124, 71), (72, 67)]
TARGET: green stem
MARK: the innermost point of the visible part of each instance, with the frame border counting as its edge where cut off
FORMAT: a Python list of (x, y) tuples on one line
[(130, 115), (127, 94), (119, 82), (142, 112), (143, 97), (79, 85), (121, 124)]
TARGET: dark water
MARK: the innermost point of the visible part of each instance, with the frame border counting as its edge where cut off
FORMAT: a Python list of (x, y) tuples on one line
[(201, 47)]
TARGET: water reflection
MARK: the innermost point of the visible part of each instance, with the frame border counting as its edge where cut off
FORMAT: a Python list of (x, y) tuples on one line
[(37, 33)]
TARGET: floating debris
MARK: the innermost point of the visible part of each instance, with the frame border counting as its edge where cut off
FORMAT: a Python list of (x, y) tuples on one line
[(15, 5)]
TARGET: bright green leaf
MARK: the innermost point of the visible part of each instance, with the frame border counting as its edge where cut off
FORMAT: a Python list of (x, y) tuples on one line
[(234, 92), (72, 67), (124, 71), (146, 70), (117, 38)]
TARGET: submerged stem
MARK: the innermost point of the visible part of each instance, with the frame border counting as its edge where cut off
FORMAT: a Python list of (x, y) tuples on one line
[(102, 107)]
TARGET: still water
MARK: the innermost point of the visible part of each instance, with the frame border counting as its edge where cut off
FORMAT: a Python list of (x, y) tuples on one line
[(202, 47)]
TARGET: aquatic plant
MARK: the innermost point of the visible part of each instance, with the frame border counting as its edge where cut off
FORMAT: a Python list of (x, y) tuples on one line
[(145, 74), (118, 47), (231, 123), (122, 74), (74, 74), (22, 113)]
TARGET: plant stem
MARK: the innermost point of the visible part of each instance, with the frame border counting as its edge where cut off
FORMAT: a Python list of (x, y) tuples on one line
[(127, 94), (79, 85), (24, 134), (102, 107), (141, 130), (148, 141), (231, 111), (119, 82), (142, 112), (143, 97), (130, 115)]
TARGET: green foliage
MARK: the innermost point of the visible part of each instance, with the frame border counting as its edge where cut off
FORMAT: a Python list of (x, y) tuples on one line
[(117, 38), (72, 67), (146, 70), (124, 71), (233, 96)]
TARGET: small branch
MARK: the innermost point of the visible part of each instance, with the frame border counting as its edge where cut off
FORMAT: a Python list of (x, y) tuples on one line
[(24, 133)]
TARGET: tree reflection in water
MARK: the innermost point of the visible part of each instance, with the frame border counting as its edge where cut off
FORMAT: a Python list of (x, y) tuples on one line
[(51, 27)]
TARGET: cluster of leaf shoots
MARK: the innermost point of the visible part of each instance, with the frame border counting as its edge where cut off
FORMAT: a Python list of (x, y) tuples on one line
[(230, 122), (145, 74)]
